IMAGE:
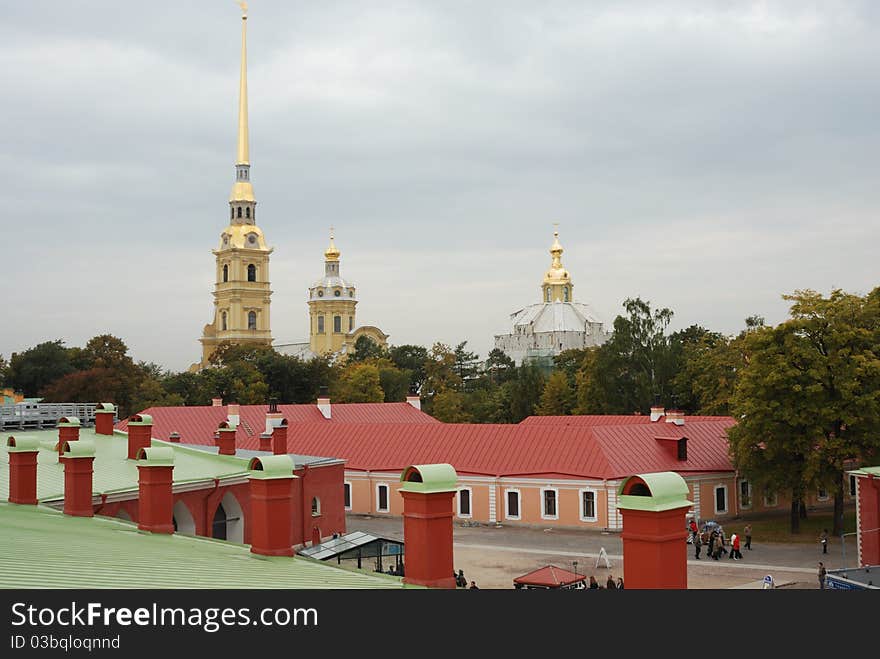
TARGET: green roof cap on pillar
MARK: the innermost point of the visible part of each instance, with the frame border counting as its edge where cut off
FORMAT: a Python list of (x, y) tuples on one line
[(429, 478), (228, 426), (81, 448), (105, 407), (68, 422), (159, 456), (22, 444), (140, 420), (271, 466), (667, 490)]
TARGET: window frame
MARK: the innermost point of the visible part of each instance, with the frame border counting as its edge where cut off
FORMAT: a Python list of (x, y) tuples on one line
[(555, 491), (337, 324), (387, 508), (507, 492), (320, 329), (316, 506), (751, 497), (346, 494), (582, 511), (726, 509), (470, 502), (252, 315), (820, 496)]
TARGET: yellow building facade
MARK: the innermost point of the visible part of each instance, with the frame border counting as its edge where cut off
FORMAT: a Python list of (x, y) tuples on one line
[(241, 291)]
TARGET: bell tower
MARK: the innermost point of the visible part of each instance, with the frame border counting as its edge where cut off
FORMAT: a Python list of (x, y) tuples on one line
[(332, 302), (241, 291)]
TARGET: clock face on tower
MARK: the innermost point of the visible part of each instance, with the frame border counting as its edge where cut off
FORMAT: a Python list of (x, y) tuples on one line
[(252, 238)]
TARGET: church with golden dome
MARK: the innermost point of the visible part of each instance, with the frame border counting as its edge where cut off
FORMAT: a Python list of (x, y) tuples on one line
[(543, 330), (241, 291)]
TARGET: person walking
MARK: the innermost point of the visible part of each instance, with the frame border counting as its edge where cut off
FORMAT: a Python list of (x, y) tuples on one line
[(823, 540), (822, 573), (748, 533), (610, 585), (619, 583), (474, 586), (698, 546), (735, 553), (594, 585)]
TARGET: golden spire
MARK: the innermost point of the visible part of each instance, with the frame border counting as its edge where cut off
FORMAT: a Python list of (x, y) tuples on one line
[(556, 274), (243, 155), (332, 253), (242, 190)]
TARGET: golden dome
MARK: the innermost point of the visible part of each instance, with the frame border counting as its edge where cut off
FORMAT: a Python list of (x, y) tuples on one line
[(243, 236), (331, 253), (556, 274)]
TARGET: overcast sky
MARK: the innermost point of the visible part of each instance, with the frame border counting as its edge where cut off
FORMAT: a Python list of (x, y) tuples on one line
[(706, 156)]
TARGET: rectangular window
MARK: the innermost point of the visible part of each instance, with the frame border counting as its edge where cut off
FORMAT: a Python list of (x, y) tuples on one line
[(320, 324), (382, 498), (464, 503), (512, 502), (852, 486), (745, 494), (822, 494), (337, 324), (347, 491), (720, 499), (350, 323), (770, 499), (548, 498), (588, 505)]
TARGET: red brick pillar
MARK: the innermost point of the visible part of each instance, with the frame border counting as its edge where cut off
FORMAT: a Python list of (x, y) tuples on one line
[(266, 441), (140, 434), (23, 469), (271, 514), (104, 415), (428, 492), (78, 459), (155, 497), (654, 509), (226, 438), (68, 431), (279, 438)]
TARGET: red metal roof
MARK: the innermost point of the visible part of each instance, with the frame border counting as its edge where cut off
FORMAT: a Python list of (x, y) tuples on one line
[(524, 450), (607, 420), (549, 576), (199, 422)]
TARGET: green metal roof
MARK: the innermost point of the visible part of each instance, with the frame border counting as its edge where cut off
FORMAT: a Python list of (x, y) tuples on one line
[(431, 478), (865, 471), (113, 472), (140, 420), (105, 407), (69, 422), (43, 548), (668, 491)]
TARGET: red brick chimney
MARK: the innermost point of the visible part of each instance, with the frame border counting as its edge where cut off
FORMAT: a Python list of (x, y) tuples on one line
[(427, 493), (216, 402), (226, 438), (155, 498), (78, 458), (415, 400), (105, 413), (68, 431), (279, 438), (271, 521), (324, 403), (140, 434), (23, 469), (266, 441)]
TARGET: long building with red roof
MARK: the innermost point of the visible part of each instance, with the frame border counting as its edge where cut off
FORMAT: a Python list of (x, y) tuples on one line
[(551, 471)]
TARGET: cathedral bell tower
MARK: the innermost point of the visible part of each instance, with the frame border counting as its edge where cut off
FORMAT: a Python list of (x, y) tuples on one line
[(332, 302), (241, 291), (557, 286)]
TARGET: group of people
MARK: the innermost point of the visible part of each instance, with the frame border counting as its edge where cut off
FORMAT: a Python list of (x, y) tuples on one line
[(716, 542), (610, 584), (461, 582)]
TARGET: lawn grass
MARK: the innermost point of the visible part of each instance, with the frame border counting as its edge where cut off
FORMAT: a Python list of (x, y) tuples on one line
[(776, 527)]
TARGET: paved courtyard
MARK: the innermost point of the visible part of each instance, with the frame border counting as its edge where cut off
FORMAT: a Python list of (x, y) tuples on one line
[(493, 556)]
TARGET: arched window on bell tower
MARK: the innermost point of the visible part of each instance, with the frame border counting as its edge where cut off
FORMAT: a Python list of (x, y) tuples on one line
[(223, 321), (252, 272), (239, 211), (565, 293), (225, 273), (247, 212), (252, 320)]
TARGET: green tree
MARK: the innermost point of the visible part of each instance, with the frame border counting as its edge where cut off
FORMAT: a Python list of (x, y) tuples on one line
[(365, 349), (237, 382), (466, 364), (448, 406), (525, 392), (499, 367), (4, 368), (90, 386), (440, 371), (411, 359), (557, 397), (359, 383), (36, 368)]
